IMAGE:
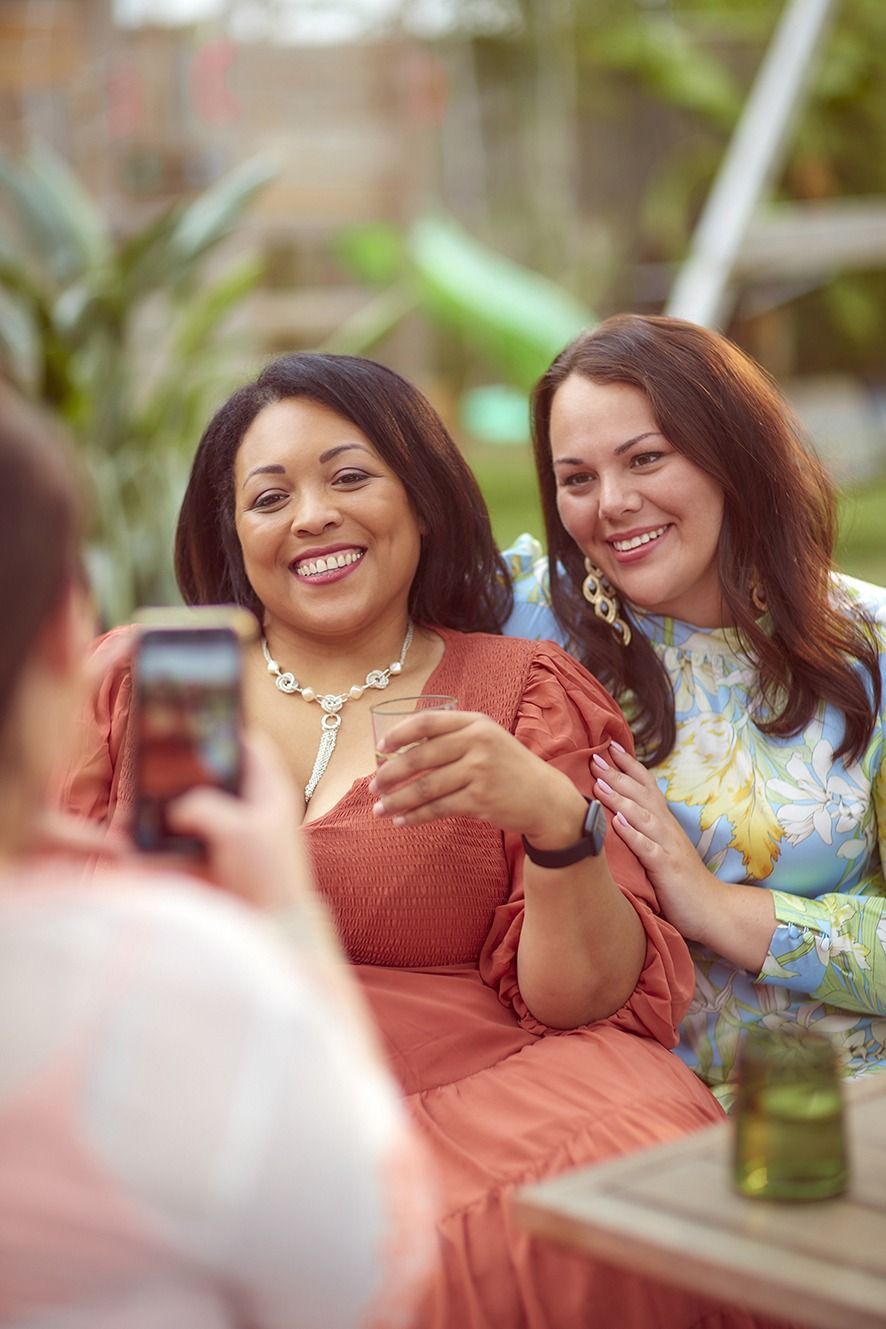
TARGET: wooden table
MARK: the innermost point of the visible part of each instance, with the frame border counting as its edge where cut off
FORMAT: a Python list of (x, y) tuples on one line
[(670, 1213)]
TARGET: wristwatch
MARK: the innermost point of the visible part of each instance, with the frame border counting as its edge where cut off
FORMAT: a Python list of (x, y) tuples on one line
[(593, 833)]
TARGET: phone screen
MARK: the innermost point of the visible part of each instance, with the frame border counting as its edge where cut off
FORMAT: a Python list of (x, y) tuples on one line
[(188, 719)]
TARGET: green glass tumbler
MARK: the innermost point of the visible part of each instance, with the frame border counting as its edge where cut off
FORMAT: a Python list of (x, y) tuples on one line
[(789, 1139)]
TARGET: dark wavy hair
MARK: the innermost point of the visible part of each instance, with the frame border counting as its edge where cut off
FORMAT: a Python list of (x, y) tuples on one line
[(461, 581), (719, 408), (40, 526)]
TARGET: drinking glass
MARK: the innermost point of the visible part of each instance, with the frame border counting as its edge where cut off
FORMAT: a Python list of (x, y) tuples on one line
[(790, 1142), (387, 714)]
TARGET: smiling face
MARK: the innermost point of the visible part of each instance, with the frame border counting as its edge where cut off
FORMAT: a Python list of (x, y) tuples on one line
[(329, 539), (638, 508)]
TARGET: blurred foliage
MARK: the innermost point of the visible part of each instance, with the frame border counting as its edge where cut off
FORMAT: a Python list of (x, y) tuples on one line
[(510, 491), (72, 295), (667, 61), (514, 318), (599, 129), (697, 58)]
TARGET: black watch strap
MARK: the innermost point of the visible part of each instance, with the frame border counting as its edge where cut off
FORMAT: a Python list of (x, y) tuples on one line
[(588, 846)]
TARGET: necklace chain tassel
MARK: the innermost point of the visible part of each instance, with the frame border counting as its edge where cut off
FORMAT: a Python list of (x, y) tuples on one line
[(331, 703)]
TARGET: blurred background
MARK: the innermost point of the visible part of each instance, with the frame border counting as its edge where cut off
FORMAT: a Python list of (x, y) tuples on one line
[(454, 187)]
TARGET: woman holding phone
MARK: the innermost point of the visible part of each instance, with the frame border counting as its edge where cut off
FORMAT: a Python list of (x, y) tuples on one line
[(523, 982), (187, 1088), (691, 541)]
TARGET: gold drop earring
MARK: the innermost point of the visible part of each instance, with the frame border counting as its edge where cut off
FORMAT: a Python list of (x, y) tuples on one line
[(602, 596)]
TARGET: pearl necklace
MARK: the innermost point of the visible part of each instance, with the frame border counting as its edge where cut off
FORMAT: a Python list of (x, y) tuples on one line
[(331, 702)]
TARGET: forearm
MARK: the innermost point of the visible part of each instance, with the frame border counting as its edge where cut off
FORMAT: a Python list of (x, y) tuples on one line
[(582, 944), (734, 920)]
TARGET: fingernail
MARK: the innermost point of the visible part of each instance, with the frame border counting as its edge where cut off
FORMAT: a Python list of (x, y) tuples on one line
[(607, 789), (620, 816), (378, 809), (618, 747), (600, 762), (399, 821)]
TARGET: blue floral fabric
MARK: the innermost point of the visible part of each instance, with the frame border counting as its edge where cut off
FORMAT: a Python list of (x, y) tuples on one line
[(781, 813)]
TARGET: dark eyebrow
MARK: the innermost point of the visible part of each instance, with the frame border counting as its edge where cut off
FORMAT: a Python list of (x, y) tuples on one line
[(328, 455), (342, 447), (265, 470), (622, 447)]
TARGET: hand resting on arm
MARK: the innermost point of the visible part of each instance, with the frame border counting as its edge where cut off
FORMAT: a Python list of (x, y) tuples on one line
[(735, 921)]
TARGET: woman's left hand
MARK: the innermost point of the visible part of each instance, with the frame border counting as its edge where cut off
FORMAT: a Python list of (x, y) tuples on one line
[(687, 892), (464, 764)]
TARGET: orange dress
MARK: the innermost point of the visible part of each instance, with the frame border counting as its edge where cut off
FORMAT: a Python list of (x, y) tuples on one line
[(431, 915)]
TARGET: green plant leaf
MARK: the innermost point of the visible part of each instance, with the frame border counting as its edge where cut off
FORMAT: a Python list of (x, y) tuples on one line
[(519, 318), (86, 231), (660, 53), (207, 220), (144, 260), (203, 315), (57, 222), (373, 321), (39, 229), (375, 251), (17, 339)]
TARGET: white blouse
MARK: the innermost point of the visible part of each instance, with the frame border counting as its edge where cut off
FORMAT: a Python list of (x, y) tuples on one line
[(191, 1137)]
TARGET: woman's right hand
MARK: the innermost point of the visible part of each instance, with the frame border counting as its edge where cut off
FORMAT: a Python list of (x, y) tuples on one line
[(689, 895), (253, 846), (462, 763)]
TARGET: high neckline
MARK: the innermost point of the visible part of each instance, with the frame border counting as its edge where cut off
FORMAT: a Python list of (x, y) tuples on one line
[(662, 630)]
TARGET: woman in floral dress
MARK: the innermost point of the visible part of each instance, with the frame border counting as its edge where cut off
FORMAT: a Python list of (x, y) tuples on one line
[(691, 538)]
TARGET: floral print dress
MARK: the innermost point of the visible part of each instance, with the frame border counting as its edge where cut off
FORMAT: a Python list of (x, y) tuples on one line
[(781, 813)]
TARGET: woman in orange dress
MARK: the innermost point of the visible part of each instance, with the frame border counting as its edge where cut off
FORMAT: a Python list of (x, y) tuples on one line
[(188, 1083), (524, 983)]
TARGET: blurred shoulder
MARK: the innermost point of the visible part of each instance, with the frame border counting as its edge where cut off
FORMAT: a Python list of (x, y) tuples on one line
[(863, 598), (869, 598), (531, 615), (110, 656), (527, 565)]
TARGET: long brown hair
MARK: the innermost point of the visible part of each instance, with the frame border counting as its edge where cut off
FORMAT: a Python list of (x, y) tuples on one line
[(461, 581), (40, 520), (718, 408)]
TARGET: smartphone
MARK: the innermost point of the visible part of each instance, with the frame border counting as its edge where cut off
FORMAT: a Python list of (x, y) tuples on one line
[(187, 679)]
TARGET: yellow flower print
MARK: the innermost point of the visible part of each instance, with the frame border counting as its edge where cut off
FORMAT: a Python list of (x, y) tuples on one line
[(717, 774)]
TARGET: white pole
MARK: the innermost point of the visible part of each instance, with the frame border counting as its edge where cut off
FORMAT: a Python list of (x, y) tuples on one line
[(702, 291)]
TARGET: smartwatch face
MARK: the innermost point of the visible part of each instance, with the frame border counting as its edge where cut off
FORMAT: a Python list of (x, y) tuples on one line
[(595, 825)]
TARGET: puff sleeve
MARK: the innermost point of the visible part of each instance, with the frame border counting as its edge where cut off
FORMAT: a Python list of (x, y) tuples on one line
[(97, 781), (565, 717)]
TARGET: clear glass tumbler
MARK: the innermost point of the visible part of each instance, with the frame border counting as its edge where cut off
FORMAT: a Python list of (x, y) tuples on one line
[(386, 715)]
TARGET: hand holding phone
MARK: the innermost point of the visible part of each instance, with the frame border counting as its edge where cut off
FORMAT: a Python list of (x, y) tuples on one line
[(188, 717)]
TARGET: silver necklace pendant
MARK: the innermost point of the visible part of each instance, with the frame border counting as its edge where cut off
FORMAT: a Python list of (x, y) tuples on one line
[(331, 702)]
